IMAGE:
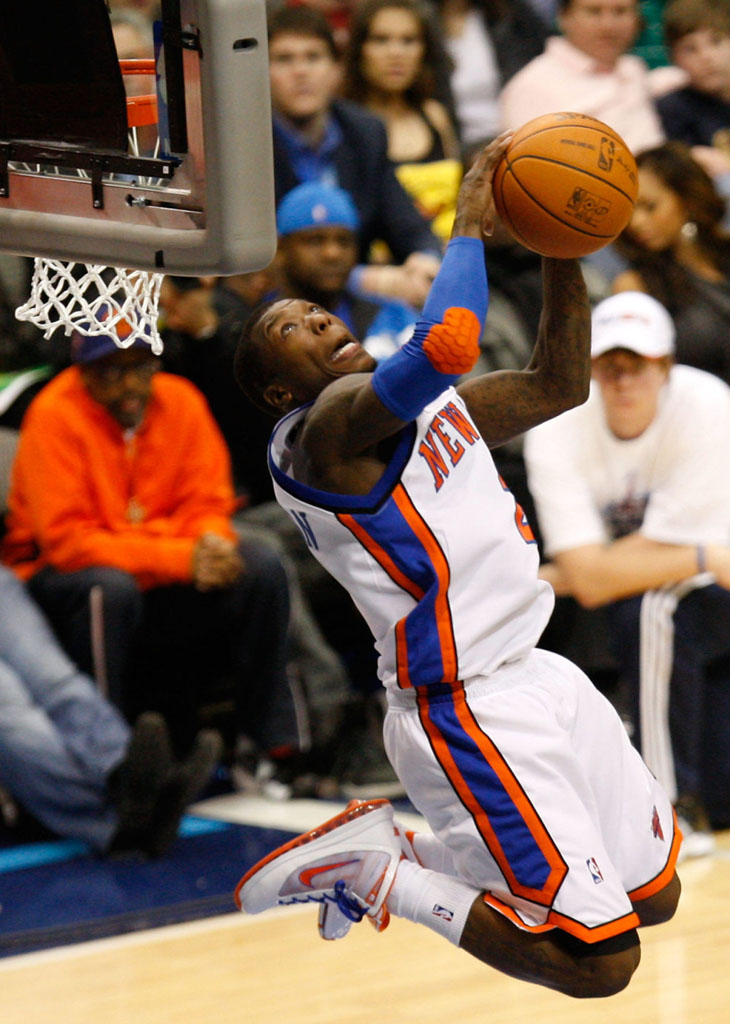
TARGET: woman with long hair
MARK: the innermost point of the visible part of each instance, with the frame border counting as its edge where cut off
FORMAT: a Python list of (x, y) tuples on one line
[(396, 67), (678, 251)]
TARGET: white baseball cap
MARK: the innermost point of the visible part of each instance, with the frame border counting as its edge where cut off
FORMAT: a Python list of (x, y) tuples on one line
[(635, 321)]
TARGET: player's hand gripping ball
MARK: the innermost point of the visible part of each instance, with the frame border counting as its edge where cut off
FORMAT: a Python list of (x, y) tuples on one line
[(566, 185)]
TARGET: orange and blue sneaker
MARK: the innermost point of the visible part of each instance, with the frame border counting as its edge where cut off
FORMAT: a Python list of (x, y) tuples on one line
[(347, 865)]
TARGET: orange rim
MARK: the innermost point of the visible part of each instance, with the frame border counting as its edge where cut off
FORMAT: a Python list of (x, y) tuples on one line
[(141, 110)]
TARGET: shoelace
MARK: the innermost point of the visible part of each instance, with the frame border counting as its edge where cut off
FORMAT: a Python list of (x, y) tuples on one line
[(347, 904)]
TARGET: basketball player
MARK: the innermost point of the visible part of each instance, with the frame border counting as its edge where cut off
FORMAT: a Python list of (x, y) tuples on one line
[(552, 842)]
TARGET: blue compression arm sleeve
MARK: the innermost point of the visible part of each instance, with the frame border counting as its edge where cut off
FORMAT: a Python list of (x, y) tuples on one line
[(445, 342)]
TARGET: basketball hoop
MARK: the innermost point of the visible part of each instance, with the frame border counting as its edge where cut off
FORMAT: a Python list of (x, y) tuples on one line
[(96, 299)]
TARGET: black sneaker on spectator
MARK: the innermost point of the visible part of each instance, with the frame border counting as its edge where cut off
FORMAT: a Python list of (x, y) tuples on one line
[(152, 790), (695, 825), (185, 782), (136, 784)]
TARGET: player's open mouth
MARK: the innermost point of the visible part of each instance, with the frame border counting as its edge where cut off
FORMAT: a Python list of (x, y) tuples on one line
[(345, 351)]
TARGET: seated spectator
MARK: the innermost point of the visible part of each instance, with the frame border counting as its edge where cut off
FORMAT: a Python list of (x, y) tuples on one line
[(120, 504), (202, 321), (317, 250), (69, 757), (588, 68), (632, 491), (698, 114), (392, 68), (318, 230), (678, 251), (488, 42), (320, 138)]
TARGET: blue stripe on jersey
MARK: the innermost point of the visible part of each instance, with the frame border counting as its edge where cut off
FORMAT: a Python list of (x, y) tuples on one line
[(520, 847), (389, 529), (351, 502)]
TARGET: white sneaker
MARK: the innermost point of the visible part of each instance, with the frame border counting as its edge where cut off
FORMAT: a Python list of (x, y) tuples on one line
[(695, 842), (347, 865), (332, 922), (698, 839)]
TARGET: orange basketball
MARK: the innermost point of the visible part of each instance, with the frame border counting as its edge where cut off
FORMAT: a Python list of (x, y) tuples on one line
[(566, 185)]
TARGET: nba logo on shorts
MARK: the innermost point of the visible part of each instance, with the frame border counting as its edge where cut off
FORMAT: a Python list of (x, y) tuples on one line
[(594, 870)]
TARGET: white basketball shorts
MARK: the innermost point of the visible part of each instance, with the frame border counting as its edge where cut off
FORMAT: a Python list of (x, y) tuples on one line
[(529, 778)]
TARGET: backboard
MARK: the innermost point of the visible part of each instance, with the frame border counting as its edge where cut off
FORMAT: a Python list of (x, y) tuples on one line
[(71, 188)]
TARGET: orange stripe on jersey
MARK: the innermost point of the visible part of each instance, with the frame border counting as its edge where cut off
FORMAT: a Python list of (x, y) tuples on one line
[(453, 346), (555, 867), (566, 924), (602, 931), (381, 556), (665, 876), (426, 631), (444, 625), (529, 815)]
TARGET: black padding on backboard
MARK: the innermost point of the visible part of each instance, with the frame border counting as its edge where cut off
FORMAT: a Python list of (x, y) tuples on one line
[(60, 80)]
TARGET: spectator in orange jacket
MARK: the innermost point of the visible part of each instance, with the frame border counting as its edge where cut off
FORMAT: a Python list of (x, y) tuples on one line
[(120, 501)]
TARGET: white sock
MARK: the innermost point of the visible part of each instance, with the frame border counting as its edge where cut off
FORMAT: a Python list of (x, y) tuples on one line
[(439, 901), (432, 853)]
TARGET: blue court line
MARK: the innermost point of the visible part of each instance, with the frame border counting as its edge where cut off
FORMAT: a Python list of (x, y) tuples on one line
[(192, 826), (33, 855)]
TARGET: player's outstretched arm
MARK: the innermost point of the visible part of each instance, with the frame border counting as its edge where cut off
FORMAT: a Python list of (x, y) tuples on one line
[(353, 414), (506, 403)]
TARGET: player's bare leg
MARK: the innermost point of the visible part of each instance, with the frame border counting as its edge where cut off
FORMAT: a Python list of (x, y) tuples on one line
[(661, 906), (357, 860), (553, 959), (556, 959)]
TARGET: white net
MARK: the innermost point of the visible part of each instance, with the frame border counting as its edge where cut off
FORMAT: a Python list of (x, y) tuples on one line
[(94, 300)]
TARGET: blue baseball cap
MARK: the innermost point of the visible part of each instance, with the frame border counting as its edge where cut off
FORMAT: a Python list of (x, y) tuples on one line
[(314, 205), (87, 348)]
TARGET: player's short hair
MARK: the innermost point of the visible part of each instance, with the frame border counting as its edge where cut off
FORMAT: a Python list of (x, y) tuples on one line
[(302, 21), (253, 366), (681, 17)]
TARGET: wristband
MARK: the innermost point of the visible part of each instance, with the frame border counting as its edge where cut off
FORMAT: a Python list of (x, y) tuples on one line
[(445, 342)]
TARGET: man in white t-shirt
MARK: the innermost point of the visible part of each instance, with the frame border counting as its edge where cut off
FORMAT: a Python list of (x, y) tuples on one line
[(632, 492)]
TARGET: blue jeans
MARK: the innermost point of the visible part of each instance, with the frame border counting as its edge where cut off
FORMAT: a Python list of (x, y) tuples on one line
[(59, 738)]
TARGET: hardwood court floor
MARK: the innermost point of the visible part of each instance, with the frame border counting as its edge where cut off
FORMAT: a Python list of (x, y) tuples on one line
[(274, 969)]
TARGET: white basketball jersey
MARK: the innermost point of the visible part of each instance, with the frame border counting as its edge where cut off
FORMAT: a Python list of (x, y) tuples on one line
[(438, 557)]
